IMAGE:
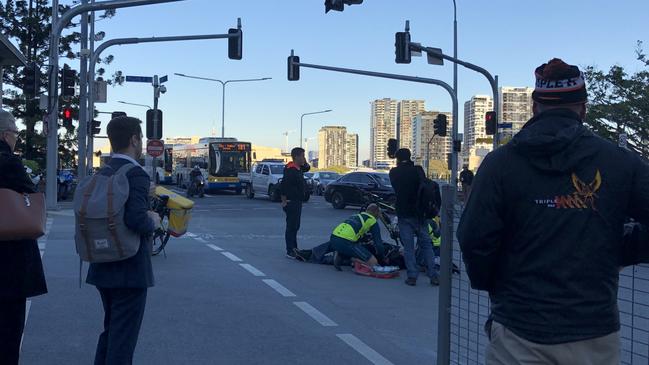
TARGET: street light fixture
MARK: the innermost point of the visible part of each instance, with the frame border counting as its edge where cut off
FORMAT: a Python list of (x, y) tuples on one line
[(223, 83), (127, 103), (302, 120)]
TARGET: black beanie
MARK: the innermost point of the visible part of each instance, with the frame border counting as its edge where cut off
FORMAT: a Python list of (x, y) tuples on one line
[(558, 83), (403, 154)]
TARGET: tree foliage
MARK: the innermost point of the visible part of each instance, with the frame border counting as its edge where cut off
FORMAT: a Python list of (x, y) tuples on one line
[(619, 103)]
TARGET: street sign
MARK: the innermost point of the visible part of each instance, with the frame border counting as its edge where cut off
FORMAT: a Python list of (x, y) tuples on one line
[(505, 125), (146, 79), (164, 79), (155, 147), (433, 59)]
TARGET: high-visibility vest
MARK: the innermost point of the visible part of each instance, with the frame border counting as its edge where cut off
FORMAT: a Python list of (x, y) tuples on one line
[(437, 240), (355, 227)]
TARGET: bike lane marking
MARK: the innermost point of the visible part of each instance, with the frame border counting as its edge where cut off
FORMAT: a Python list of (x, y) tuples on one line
[(253, 270), (281, 289), (363, 349), (231, 256), (315, 314)]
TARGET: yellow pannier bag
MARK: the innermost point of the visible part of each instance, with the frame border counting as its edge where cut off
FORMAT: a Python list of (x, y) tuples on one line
[(180, 211)]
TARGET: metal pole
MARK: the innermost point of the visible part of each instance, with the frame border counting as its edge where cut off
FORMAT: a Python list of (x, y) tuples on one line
[(497, 110), (83, 98), (223, 111), (90, 112), (301, 126), (445, 276), (2, 73)]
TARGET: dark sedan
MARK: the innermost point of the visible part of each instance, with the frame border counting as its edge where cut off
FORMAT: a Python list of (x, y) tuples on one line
[(321, 179), (348, 189)]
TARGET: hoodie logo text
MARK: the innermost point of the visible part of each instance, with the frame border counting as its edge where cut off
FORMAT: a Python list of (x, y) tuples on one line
[(584, 196)]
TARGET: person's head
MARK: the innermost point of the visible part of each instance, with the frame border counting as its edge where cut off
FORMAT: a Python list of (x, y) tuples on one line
[(559, 86), (466, 167), (297, 154), (374, 210), (196, 167), (125, 136), (403, 155), (8, 129)]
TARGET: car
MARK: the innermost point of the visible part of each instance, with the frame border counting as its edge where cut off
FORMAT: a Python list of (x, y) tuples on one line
[(264, 179), (321, 179), (348, 189)]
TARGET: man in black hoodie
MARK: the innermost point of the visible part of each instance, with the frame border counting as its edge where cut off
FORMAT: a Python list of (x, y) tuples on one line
[(543, 229), (292, 194)]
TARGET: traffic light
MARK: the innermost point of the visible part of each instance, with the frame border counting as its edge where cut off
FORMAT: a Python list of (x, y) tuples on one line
[(32, 80), (402, 47), (293, 67), (150, 116), (114, 115), (95, 127), (339, 5), (68, 81), (491, 124), (67, 115), (393, 146), (235, 43), (439, 125)]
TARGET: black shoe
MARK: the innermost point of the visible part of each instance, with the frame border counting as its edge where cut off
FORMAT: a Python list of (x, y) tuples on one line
[(302, 255), (411, 281), (434, 281), (290, 255), (338, 261)]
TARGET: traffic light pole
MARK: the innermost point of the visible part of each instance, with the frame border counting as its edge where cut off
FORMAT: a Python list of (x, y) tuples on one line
[(82, 132), (58, 24)]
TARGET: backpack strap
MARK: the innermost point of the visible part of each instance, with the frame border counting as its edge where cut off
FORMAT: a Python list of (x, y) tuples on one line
[(82, 215), (111, 220)]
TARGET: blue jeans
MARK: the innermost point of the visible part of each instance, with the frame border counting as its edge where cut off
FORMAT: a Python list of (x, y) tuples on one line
[(343, 246), (409, 228)]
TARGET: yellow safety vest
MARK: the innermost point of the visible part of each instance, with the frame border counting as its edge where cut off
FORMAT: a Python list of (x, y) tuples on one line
[(437, 240), (346, 229)]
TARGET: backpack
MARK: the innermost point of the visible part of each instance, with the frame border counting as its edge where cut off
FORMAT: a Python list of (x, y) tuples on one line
[(100, 232), (429, 198)]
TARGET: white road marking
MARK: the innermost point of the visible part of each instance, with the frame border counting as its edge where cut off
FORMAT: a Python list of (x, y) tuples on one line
[(315, 314), (189, 234), (279, 288), (360, 347), (200, 239), (214, 247), (231, 256), (253, 270)]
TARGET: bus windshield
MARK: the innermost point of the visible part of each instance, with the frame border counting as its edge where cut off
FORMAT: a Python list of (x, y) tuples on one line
[(229, 159)]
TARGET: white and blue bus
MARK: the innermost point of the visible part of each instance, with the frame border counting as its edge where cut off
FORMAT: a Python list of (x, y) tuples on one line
[(220, 161)]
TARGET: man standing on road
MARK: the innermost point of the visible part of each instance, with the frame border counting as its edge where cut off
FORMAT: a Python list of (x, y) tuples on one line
[(292, 194), (543, 229), (123, 284), (466, 179), (405, 179)]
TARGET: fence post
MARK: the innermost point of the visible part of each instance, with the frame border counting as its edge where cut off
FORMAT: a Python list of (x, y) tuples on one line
[(445, 276)]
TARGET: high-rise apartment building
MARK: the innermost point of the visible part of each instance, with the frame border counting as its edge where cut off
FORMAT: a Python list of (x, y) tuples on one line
[(423, 131), (351, 150), (476, 141), (331, 146), (515, 107), (382, 127), (406, 111)]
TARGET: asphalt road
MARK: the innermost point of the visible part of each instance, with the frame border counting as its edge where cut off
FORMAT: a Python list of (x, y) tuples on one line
[(225, 294)]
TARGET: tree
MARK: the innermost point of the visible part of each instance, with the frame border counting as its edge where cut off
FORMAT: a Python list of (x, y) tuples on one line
[(28, 24), (619, 103)]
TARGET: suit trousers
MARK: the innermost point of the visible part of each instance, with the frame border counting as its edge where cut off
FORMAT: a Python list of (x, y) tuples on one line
[(293, 212), (123, 313), (12, 323)]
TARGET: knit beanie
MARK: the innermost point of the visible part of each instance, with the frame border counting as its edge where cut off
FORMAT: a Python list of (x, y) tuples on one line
[(558, 83)]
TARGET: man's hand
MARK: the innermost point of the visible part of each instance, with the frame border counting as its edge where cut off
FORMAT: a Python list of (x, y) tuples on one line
[(155, 218), (284, 202)]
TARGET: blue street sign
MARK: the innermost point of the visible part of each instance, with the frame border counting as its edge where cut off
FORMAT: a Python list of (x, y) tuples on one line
[(164, 79), (505, 125), (139, 79)]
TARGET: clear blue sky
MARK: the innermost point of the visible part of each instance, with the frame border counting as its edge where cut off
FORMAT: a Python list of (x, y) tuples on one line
[(508, 37)]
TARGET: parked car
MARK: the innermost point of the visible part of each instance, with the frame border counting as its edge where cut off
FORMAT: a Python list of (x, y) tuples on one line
[(347, 190), (263, 180), (321, 179)]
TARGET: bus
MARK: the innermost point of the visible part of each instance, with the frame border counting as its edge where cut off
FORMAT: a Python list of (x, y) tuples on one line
[(220, 161), (163, 168)]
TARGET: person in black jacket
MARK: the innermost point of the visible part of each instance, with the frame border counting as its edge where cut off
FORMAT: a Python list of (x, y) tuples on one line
[(21, 269), (123, 285), (543, 229), (466, 179), (292, 194), (405, 179)]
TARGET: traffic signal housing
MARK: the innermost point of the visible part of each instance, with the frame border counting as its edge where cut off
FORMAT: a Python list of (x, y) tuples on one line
[(114, 115), (154, 119), (68, 81), (491, 124), (339, 5), (235, 44), (67, 115), (32, 79), (402, 47), (293, 67), (440, 125), (95, 127), (393, 146)]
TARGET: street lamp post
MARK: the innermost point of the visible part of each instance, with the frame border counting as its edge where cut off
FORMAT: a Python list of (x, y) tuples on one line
[(302, 120), (127, 103), (223, 83)]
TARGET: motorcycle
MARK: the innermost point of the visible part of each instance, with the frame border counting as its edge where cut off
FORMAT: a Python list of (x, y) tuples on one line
[(197, 187), (65, 184)]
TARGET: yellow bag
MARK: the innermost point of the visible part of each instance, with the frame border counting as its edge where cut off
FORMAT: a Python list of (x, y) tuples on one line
[(180, 211)]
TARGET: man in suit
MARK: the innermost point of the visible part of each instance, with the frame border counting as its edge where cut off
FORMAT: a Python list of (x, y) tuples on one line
[(123, 285)]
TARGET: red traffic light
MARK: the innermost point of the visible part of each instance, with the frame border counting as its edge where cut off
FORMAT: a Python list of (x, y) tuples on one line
[(67, 113), (491, 124)]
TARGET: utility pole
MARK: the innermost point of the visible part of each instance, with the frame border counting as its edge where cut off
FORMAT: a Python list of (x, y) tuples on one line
[(83, 98)]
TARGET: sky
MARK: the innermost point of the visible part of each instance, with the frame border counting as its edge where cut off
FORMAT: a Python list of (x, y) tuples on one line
[(510, 38)]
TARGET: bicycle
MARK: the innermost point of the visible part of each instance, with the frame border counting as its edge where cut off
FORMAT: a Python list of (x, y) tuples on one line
[(162, 234)]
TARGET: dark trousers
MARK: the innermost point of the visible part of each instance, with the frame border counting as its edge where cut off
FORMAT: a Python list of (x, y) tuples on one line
[(123, 313), (12, 323), (343, 246), (293, 212)]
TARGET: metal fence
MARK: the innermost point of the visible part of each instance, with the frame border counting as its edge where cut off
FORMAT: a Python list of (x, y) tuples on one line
[(470, 308)]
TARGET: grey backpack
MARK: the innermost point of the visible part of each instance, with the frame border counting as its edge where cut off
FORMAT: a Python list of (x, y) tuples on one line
[(100, 233)]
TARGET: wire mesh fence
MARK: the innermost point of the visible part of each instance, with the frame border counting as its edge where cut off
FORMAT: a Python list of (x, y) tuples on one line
[(470, 309)]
